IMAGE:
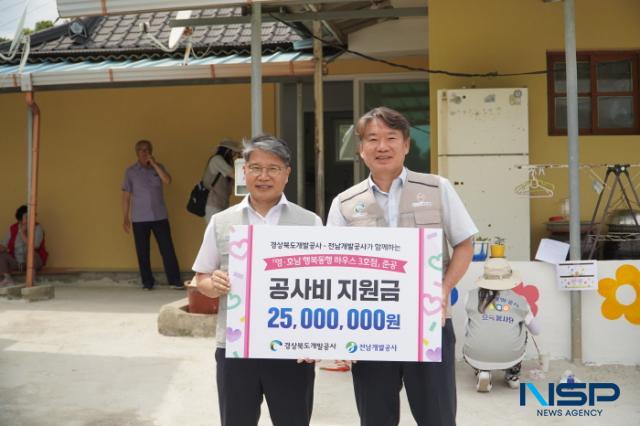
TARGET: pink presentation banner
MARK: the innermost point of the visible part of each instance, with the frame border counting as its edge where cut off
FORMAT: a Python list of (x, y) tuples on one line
[(335, 293)]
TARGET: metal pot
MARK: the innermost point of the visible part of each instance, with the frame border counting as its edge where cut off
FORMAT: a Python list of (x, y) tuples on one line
[(622, 221), (562, 226)]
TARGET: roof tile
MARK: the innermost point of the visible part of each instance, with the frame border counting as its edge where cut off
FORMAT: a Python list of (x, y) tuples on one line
[(120, 36)]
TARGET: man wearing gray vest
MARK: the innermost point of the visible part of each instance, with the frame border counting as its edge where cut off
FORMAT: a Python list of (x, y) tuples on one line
[(394, 196), (286, 384)]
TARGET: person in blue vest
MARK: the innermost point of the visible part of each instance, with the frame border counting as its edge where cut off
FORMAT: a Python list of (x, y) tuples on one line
[(393, 196), (13, 249), (286, 385)]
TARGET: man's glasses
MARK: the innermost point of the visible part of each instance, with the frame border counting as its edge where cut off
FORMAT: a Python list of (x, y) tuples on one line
[(272, 171)]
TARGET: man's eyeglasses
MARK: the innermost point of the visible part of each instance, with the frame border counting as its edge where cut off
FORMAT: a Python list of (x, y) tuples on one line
[(272, 171)]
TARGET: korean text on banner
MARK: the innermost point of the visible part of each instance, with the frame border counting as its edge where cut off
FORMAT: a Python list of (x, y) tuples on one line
[(335, 293)]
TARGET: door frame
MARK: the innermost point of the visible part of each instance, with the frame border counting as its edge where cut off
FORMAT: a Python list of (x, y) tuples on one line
[(359, 80)]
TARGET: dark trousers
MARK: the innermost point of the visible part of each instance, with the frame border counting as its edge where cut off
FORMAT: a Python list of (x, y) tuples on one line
[(431, 388), (142, 236), (8, 263), (286, 385)]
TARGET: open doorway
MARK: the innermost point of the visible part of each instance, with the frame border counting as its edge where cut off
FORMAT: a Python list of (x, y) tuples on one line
[(407, 94), (338, 175), (338, 116), (411, 98)]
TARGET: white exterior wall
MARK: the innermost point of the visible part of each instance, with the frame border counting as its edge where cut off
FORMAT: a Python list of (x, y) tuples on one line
[(604, 341), (391, 38)]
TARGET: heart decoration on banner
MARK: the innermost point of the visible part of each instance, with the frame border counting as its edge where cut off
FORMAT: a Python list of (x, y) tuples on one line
[(434, 354), (436, 262), (233, 334), (233, 301), (238, 249), (431, 304)]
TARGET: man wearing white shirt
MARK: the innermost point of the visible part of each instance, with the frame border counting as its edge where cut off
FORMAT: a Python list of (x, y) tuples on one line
[(394, 196), (242, 383)]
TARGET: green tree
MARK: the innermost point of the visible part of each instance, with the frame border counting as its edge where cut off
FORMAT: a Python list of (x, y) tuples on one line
[(42, 25)]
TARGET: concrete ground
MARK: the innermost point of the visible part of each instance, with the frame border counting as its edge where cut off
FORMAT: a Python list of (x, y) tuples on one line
[(93, 356)]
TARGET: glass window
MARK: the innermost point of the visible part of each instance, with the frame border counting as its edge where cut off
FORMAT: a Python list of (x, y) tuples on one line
[(608, 98), (615, 112), (614, 76), (584, 112), (560, 77)]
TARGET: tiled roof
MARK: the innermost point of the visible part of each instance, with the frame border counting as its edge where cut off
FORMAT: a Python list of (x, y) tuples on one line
[(121, 37)]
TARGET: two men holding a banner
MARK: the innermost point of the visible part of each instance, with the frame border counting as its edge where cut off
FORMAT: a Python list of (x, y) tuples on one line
[(352, 294), (394, 196), (286, 384)]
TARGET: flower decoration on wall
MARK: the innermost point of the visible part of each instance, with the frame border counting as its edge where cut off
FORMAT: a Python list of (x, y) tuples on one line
[(622, 294), (454, 296), (531, 293)]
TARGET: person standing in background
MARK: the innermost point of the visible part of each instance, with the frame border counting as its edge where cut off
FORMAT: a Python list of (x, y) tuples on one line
[(144, 210), (218, 177)]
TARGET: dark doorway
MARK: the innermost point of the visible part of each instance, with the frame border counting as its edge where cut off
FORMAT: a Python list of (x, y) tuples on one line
[(338, 174), (338, 116)]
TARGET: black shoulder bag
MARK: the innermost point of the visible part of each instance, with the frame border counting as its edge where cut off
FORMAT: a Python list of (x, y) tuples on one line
[(198, 198)]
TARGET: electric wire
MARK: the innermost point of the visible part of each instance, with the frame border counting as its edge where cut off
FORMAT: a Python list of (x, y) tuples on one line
[(369, 57), (409, 67)]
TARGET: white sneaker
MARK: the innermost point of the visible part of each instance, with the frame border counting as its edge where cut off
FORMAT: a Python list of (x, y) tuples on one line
[(513, 381), (484, 381), (6, 281)]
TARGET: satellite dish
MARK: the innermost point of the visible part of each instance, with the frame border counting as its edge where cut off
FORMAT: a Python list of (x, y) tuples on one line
[(174, 36), (18, 36), (177, 32)]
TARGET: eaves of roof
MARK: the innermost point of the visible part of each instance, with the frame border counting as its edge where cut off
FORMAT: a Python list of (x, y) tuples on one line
[(146, 53), (165, 71)]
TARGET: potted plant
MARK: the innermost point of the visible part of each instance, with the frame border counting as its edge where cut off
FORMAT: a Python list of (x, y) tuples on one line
[(497, 248), (480, 248)]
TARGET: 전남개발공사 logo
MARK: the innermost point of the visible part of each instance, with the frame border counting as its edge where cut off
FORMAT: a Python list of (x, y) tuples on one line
[(569, 399)]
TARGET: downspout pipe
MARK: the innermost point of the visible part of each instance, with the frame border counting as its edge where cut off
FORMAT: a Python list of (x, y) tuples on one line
[(29, 146), (300, 145), (318, 96), (574, 170), (256, 69), (33, 190)]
